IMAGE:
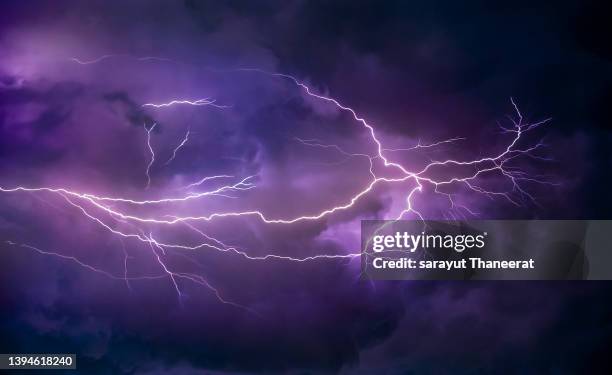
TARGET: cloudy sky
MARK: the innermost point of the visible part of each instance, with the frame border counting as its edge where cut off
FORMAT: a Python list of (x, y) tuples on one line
[(75, 81)]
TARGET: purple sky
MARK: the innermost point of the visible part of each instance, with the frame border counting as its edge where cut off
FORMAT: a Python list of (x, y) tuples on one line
[(412, 72)]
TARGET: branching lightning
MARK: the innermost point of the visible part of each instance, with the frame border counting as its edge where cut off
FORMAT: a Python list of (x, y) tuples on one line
[(106, 210), (198, 102), (207, 178)]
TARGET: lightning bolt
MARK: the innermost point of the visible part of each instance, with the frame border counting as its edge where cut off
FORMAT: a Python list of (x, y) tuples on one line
[(106, 210), (208, 178), (427, 145), (106, 57), (183, 142), (152, 160), (198, 102)]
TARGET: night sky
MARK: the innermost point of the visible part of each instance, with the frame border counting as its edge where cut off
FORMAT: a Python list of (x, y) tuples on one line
[(75, 81)]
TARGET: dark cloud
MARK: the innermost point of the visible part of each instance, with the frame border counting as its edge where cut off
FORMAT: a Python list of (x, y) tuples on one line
[(133, 111), (418, 70), (29, 118)]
